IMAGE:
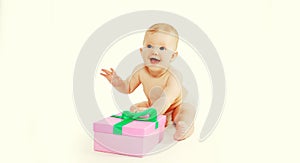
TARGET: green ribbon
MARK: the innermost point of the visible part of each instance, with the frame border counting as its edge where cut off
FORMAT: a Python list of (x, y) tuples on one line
[(128, 117)]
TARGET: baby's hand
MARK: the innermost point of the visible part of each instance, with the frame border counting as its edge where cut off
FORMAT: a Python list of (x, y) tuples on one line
[(136, 109), (112, 77)]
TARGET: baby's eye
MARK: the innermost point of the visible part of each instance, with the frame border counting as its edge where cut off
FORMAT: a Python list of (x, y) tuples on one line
[(162, 48), (149, 46)]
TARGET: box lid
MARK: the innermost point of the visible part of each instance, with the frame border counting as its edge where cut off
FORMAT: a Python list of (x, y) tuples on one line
[(134, 128)]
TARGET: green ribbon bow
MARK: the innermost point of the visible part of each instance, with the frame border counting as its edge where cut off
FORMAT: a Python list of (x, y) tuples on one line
[(128, 117)]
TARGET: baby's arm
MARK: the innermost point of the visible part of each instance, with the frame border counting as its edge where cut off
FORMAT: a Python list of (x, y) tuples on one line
[(167, 98), (124, 86)]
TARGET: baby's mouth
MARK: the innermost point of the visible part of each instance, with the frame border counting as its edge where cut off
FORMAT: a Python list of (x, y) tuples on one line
[(154, 60)]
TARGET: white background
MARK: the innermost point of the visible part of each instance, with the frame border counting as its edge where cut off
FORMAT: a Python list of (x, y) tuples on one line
[(258, 43)]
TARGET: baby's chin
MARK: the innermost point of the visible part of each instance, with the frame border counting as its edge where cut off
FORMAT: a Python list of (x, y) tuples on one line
[(156, 67)]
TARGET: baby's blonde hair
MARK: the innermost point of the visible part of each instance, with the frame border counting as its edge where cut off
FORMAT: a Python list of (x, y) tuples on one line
[(165, 28)]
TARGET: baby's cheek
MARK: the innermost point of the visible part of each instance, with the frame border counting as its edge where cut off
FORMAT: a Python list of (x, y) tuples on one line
[(166, 59)]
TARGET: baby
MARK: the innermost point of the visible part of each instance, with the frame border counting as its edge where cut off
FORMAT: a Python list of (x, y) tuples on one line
[(161, 83)]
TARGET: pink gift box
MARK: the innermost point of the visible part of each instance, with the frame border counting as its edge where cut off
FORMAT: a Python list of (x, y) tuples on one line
[(138, 137)]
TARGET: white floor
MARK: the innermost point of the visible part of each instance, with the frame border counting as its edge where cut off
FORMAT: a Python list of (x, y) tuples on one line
[(167, 141)]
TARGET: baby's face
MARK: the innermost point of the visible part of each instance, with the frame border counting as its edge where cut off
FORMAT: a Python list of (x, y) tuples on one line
[(159, 50)]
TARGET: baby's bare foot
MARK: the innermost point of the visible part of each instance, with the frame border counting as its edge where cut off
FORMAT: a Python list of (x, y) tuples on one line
[(182, 131)]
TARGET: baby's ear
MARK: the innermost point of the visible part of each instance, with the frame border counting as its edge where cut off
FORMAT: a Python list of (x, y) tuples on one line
[(141, 50), (174, 55)]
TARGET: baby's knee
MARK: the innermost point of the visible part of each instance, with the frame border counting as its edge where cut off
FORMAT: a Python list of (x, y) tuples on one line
[(187, 107)]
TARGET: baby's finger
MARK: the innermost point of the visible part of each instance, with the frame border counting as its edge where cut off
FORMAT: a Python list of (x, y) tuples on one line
[(103, 74), (106, 71), (108, 77), (112, 70)]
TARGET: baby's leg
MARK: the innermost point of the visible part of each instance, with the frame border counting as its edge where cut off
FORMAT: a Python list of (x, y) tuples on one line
[(184, 121), (139, 106)]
